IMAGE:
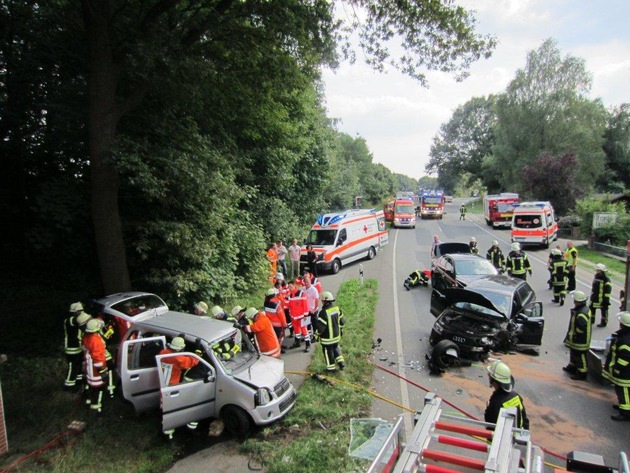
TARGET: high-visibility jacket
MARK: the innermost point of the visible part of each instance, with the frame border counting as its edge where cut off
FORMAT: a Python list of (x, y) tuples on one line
[(275, 313), (504, 399), (579, 333), (571, 255), (495, 256), (329, 324), (180, 363), (268, 343), (94, 358), (600, 291), (617, 366), (518, 263), (559, 272), (72, 336)]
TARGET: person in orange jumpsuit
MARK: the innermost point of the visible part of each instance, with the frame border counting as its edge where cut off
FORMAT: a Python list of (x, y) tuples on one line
[(180, 363), (260, 325), (95, 364), (272, 256)]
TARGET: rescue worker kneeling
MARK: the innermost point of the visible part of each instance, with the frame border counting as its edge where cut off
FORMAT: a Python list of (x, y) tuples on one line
[(329, 330), (416, 278)]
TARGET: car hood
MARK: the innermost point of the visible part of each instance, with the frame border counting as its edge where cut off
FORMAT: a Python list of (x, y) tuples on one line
[(463, 295), (450, 248), (265, 372)]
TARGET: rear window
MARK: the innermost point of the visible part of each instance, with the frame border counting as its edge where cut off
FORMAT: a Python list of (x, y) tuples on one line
[(528, 221)]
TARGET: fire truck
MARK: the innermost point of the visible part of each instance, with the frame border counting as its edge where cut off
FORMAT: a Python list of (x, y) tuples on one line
[(432, 204), (499, 208)]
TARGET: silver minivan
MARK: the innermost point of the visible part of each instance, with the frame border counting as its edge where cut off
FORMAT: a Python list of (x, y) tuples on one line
[(244, 389)]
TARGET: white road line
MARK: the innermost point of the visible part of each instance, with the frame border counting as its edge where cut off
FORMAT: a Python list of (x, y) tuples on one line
[(404, 393)]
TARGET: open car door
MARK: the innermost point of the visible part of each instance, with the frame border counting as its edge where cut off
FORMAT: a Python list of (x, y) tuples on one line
[(138, 372), (532, 324), (192, 399)]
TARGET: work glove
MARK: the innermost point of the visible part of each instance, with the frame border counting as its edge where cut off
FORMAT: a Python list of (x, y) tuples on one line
[(104, 375), (198, 347), (316, 336)]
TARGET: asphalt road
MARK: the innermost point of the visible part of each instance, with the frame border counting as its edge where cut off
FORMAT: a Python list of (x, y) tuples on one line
[(565, 415)]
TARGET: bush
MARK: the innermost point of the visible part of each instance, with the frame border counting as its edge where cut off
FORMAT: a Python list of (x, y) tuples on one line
[(616, 234), (585, 208)]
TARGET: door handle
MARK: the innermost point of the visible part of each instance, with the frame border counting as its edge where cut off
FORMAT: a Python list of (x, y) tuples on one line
[(174, 394), (134, 377)]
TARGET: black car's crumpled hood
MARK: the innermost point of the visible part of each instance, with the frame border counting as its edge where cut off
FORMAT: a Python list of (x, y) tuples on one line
[(456, 295)]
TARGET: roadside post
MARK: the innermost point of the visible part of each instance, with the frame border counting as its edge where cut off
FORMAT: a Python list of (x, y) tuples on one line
[(361, 274)]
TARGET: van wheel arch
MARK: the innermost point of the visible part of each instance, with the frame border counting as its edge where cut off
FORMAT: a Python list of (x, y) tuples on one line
[(236, 421)]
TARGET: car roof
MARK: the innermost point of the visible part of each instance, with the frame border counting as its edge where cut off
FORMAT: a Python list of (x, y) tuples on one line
[(112, 299), (192, 325), (451, 248)]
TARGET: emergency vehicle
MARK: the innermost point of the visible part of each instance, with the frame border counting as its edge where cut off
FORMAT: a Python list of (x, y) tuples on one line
[(388, 208), (343, 237), (432, 204), (404, 213), (534, 223), (498, 209)]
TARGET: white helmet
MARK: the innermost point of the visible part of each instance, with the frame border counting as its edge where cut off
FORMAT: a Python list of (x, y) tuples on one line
[(216, 310), (76, 307), (279, 277), (624, 318), (93, 326), (579, 296), (327, 296), (502, 374), (82, 319), (177, 344), (272, 291), (556, 252), (473, 239), (202, 307), (251, 312), (516, 246), (237, 309), (601, 267), (495, 243)]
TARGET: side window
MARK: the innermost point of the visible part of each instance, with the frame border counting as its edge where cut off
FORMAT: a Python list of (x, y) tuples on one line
[(142, 355), (343, 236)]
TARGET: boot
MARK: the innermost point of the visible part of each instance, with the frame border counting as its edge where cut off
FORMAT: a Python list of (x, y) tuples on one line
[(602, 324), (561, 301), (296, 344), (308, 346), (569, 369), (622, 416), (579, 376)]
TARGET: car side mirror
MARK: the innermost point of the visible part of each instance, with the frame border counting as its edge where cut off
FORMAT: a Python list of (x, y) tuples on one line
[(210, 378)]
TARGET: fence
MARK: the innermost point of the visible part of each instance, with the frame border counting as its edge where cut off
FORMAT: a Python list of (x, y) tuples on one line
[(618, 251)]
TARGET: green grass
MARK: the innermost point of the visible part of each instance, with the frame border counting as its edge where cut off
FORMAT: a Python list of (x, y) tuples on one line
[(317, 431), (614, 265)]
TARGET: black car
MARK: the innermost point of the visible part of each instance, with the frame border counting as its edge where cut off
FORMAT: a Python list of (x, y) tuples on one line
[(449, 248), (493, 313), (459, 270)]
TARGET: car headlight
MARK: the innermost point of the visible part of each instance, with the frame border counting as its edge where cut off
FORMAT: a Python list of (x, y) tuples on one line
[(485, 341), (438, 328), (262, 397)]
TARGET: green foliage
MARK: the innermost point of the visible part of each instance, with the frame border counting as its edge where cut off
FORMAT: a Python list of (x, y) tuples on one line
[(617, 234), (586, 207), (617, 149)]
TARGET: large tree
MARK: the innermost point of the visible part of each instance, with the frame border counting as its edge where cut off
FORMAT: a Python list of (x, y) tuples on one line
[(545, 109), (617, 149)]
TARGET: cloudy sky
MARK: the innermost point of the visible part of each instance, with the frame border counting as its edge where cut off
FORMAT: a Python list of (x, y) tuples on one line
[(398, 118)]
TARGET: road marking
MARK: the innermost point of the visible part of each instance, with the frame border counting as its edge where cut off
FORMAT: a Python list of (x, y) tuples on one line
[(404, 393)]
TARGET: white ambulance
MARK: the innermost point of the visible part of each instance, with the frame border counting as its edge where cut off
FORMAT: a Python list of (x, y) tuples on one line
[(534, 223), (343, 237)]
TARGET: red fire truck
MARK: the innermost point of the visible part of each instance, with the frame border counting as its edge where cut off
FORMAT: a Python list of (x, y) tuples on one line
[(498, 209)]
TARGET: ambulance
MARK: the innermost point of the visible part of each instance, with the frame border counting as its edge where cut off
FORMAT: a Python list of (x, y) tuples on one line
[(340, 238), (534, 223)]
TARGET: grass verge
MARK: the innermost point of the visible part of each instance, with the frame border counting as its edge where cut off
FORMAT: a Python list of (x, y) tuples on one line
[(315, 435), (594, 257)]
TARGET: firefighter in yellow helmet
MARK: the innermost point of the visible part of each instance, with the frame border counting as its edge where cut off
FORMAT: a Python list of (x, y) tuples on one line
[(329, 329), (73, 334), (600, 293), (578, 338), (503, 396), (201, 309)]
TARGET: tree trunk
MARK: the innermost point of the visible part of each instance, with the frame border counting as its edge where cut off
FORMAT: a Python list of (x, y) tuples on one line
[(103, 119)]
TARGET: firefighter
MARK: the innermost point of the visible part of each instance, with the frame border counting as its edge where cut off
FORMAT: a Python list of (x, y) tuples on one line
[(501, 379), (559, 275), (262, 329), (72, 345), (95, 364), (473, 246), (571, 255), (329, 330), (462, 212), (617, 367), (600, 294), (496, 257), (275, 313), (578, 338), (517, 263), (201, 309), (226, 349), (416, 278), (549, 267), (219, 314)]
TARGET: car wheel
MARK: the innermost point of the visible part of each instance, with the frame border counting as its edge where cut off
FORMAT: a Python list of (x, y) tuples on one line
[(371, 253), (336, 266), (545, 244), (445, 353), (236, 421)]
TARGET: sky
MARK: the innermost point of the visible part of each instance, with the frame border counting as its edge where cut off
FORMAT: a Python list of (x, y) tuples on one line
[(399, 118)]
